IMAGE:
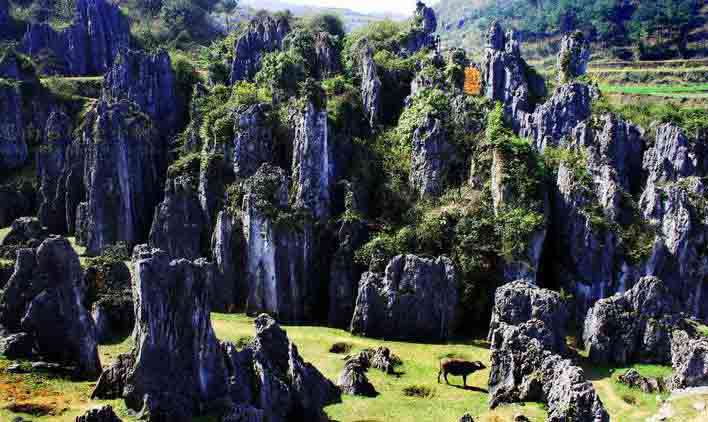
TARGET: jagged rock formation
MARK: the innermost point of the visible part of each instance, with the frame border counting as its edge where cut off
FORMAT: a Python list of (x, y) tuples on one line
[(327, 62), (18, 346), (26, 232), (689, 359), (573, 57), (519, 302), (177, 363), (524, 370), (421, 33), (179, 225), (278, 249), (109, 295), (270, 381), (633, 327), (673, 202), (44, 299), (370, 86), (558, 117), (51, 161), (253, 141), (13, 148), (344, 272), (87, 46), (414, 300), (353, 380), (431, 157), (101, 414), (632, 378), (263, 35), (312, 162), (146, 79), (504, 73), (228, 254), (123, 162)]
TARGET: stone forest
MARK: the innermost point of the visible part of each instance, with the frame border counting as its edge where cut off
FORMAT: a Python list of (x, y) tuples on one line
[(280, 219)]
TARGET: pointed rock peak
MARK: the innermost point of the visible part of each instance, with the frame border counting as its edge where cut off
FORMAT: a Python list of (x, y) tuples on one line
[(573, 57), (426, 16), (496, 40)]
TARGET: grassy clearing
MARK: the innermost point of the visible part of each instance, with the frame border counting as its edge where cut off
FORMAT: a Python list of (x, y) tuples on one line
[(3, 232), (411, 396)]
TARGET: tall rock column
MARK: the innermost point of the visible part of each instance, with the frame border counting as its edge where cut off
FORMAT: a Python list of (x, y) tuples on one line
[(370, 86), (51, 161), (311, 163), (13, 148)]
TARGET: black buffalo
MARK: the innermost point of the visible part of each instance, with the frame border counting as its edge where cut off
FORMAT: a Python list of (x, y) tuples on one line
[(458, 368)]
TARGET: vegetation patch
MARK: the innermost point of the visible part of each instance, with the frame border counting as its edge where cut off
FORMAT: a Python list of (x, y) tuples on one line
[(340, 348), (420, 391)]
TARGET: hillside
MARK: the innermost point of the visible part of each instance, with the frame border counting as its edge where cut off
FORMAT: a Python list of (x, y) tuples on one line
[(620, 29)]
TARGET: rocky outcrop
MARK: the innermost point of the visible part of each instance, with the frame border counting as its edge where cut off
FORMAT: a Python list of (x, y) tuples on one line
[(573, 57), (327, 62), (25, 232), (415, 299), (147, 80), (253, 141), (689, 359), (101, 414), (431, 158), (179, 225), (421, 33), (51, 161), (15, 203), (312, 163), (353, 380), (633, 379), (558, 117), (123, 167), (228, 245), (278, 250), (18, 346), (86, 47), (13, 147), (264, 35), (370, 87), (633, 327), (177, 364), (524, 370), (504, 73), (673, 202), (519, 302), (44, 299)]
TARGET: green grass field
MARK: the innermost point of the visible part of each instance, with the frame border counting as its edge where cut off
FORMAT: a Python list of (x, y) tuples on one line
[(670, 90), (67, 399)]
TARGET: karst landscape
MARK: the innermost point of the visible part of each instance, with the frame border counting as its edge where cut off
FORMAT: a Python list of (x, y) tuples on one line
[(484, 211)]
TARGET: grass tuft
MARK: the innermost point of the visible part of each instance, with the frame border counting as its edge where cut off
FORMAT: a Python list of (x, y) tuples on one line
[(421, 391)]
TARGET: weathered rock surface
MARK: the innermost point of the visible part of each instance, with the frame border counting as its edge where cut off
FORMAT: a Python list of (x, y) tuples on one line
[(634, 379), (51, 161), (431, 157), (15, 203), (101, 414), (87, 46), (370, 87), (312, 163), (689, 359), (421, 33), (573, 57), (415, 299), (228, 253), (519, 302), (633, 327), (253, 141), (123, 167), (504, 73), (524, 370), (146, 79), (177, 363), (18, 346), (26, 232), (43, 298), (353, 380), (263, 35), (179, 225), (278, 250), (271, 378), (13, 147)]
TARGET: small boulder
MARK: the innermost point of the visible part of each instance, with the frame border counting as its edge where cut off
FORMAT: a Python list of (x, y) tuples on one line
[(353, 380), (466, 418), (101, 414), (689, 358), (634, 379)]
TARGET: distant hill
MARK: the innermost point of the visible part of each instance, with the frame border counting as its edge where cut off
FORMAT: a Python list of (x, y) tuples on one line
[(352, 20), (624, 29)]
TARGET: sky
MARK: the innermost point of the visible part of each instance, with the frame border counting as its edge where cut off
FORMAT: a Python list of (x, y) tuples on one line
[(404, 7)]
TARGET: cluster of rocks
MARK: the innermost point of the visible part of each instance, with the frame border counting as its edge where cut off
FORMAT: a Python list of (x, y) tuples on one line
[(353, 381), (527, 364), (416, 298), (41, 306), (178, 367), (632, 378)]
